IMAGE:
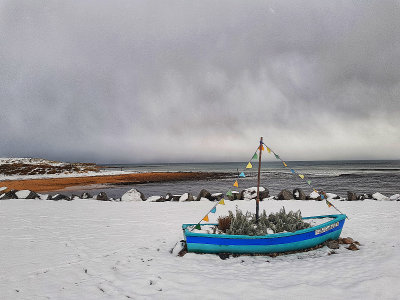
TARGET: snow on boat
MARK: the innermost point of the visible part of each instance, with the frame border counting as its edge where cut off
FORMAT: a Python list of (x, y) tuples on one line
[(279, 242)]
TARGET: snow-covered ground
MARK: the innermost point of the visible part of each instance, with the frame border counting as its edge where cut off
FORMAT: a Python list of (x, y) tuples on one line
[(85, 249), (63, 175), (29, 161)]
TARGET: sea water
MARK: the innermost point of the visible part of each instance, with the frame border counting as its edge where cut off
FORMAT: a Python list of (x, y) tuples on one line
[(338, 177)]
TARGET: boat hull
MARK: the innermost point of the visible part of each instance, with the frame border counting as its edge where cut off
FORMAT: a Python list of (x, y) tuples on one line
[(280, 242)]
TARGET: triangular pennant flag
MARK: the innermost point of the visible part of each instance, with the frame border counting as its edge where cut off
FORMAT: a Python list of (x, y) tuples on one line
[(229, 193), (309, 182), (329, 204), (255, 156), (262, 148), (301, 176), (277, 156), (214, 210), (242, 175), (197, 227), (222, 202), (269, 150), (284, 164), (205, 218), (236, 184), (315, 190), (291, 170), (249, 166)]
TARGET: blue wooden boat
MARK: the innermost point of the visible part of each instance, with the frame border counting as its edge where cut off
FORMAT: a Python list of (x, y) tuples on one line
[(271, 243)]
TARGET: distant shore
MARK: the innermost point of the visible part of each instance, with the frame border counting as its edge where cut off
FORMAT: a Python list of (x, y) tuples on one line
[(56, 184)]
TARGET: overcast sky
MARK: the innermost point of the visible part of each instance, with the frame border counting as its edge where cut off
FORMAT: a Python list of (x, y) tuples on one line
[(180, 81)]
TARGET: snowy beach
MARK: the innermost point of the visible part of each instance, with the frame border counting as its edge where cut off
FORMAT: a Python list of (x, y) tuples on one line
[(88, 249)]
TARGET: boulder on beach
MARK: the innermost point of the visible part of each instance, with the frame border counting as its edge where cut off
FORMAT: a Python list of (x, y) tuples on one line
[(155, 199), (133, 195), (251, 193), (9, 195), (299, 194), (216, 196), (102, 196), (86, 195), (285, 195), (314, 196), (27, 194), (351, 196), (379, 197), (331, 196), (175, 197), (57, 197), (395, 197), (204, 194), (186, 197), (168, 197)]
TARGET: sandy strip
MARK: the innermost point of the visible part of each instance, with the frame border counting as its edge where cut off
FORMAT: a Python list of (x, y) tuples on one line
[(55, 184)]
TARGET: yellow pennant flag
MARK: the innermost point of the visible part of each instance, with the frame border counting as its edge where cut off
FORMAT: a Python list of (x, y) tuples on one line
[(222, 202), (249, 166), (301, 176), (205, 218), (236, 184), (284, 164), (269, 150), (315, 190)]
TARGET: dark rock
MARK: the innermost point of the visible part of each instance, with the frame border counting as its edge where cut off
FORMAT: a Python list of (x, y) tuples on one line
[(351, 196), (86, 195), (251, 193), (361, 197), (175, 197), (216, 196), (347, 241), (168, 197), (102, 196), (204, 194), (285, 195), (333, 244), (336, 197), (353, 247), (10, 195), (264, 194), (299, 194), (59, 197), (235, 195), (156, 199), (223, 256)]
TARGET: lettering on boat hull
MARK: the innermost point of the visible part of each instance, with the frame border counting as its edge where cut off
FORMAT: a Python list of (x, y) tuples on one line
[(326, 228)]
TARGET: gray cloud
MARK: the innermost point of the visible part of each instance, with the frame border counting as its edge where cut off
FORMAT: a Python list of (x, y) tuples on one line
[(142, 81)]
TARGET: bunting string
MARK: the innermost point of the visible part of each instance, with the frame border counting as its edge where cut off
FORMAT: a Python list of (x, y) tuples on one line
[(243, 175), (229, 192), (323, 197)]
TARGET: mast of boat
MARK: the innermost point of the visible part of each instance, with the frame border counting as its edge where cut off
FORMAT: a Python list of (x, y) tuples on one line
[(258, 180)]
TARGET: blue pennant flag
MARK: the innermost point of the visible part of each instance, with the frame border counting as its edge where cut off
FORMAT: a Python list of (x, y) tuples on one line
[(291, 170), (214, 210), (242, 175)]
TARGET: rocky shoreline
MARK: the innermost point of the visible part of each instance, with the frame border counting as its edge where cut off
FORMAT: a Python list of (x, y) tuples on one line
[(204, 195)]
